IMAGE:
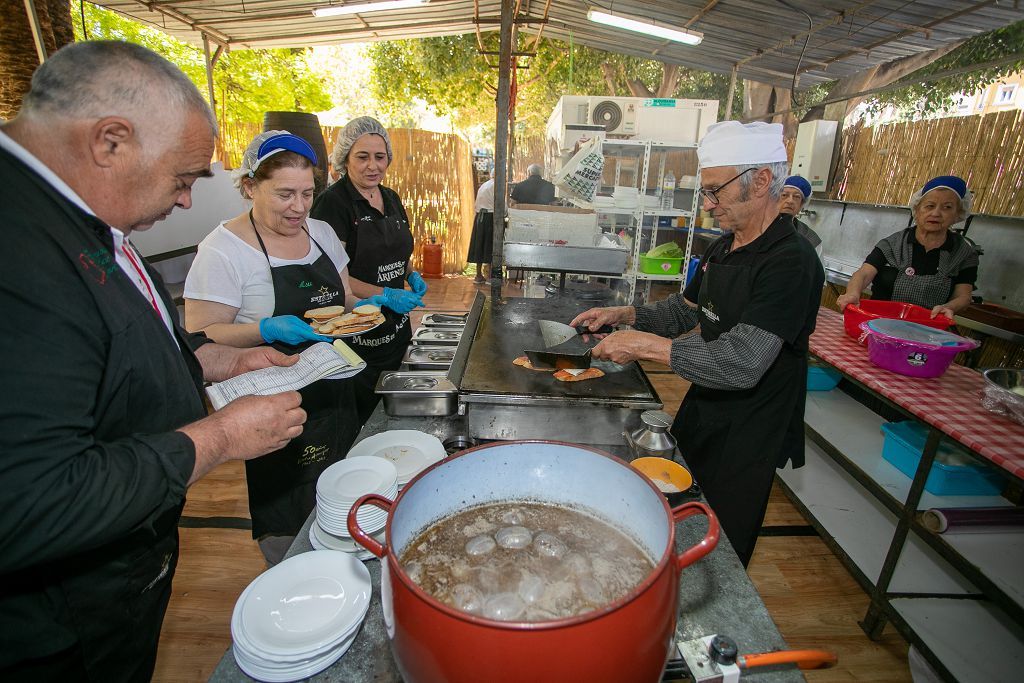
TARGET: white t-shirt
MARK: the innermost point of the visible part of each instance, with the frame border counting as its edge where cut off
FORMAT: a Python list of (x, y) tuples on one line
[(228, 271), (485, 196)]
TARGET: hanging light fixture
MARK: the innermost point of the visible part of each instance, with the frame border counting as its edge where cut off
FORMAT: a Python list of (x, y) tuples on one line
[(645, 26), (363, 7)]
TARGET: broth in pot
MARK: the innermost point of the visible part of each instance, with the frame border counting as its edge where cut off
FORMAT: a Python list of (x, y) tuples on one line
[(525, 561)]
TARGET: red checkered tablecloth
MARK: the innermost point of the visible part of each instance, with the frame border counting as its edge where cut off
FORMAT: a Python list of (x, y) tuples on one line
[(950, 402)]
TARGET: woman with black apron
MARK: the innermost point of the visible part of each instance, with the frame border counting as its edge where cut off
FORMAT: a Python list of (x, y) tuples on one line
[(374, 227), (253, 278)]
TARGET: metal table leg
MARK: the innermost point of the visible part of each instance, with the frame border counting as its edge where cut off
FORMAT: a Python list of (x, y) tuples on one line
[(875, 619)]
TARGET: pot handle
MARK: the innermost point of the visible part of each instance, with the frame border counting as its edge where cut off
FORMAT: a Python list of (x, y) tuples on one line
[(361, 537), (706, 544)]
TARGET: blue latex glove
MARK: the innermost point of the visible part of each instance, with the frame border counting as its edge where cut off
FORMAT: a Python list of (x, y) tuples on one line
[(377, 300), (416, 282), (288, 329), (398, 300)]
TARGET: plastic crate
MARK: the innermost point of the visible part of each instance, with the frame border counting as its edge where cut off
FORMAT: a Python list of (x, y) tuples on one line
[(903, 446), (822, 379), (660, 266)]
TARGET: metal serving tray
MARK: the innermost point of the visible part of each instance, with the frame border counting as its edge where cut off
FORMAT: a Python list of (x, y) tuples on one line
[(436, 337), (445, 320), (417, 394), (422, 357)]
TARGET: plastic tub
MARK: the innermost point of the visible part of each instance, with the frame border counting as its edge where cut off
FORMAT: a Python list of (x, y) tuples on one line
[(660, 266), (1003, 393), (822, 379), (871, 309), (912, 349), (953, 473)]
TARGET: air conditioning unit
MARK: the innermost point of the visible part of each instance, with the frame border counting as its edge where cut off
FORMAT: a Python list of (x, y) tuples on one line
[(618, 115), (675, 121)]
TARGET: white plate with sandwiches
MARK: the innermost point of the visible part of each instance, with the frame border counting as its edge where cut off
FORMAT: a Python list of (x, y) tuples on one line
[(333, 321)]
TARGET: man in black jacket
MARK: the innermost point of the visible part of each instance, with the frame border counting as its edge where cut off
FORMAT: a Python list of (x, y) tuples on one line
[(533, 190), (102, 420)]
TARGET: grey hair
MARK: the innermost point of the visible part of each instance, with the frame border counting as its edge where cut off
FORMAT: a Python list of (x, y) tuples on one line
[(535, 169), (964, 204), (98, 78), (779, 171)]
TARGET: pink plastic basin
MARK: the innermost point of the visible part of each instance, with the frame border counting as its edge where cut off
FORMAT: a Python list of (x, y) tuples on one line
[(912, 349)]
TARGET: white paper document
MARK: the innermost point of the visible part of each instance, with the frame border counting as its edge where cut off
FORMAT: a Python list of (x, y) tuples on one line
[(319, 361)]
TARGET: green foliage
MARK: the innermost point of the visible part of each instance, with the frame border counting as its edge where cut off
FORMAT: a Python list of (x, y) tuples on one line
[(247, 82), (940, 96), (455, 80)]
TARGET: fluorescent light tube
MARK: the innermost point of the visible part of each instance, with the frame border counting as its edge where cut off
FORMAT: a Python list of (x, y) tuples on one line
[(644, 26), (363, 7)]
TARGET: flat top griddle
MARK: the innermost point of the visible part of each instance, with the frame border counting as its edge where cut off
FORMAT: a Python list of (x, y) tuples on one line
[(509, 326)]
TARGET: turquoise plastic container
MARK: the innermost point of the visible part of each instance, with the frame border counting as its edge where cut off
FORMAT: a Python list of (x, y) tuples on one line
[(822, 379), (904, 443)]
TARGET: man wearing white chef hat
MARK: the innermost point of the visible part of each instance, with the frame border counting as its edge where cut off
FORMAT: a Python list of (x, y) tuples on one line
[(755, 299)]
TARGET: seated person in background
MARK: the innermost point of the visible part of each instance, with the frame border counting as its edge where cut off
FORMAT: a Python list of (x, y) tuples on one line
[(796, 192), (925, 264), (533, 190), (252, 279)]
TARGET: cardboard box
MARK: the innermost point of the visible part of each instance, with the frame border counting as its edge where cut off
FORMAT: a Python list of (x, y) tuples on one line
[(541, 223)]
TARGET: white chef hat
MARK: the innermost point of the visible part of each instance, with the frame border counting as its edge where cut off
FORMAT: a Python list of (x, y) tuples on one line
[(731, 143)]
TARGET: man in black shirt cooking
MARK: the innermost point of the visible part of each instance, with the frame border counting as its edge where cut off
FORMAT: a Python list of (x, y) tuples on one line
[(755, 298)]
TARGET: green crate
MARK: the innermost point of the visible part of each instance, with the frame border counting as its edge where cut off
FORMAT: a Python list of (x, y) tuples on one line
[(660, 266)]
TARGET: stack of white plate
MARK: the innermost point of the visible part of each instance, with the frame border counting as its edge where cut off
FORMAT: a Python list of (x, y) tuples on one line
[(299, 617), (626, 197), (411, 451), (321, 540), (343, 483)]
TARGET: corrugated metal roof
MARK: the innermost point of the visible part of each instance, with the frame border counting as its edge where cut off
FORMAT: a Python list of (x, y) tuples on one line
[(764, 36)]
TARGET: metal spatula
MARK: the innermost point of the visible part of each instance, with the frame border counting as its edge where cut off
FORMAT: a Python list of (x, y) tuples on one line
[(555, 333)]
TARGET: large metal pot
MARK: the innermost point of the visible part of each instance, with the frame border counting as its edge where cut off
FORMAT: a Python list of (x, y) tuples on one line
[(627, 640)]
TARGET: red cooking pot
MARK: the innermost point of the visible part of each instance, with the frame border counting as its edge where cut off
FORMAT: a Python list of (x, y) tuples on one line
[(626, 640)]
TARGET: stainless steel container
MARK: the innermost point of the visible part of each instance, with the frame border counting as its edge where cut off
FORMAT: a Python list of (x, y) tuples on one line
[(436, 337), (422, 357), (652, 438), (542, 256), (417, 394), (445, 320)]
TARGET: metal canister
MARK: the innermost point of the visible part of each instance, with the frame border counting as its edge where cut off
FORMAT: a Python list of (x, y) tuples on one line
[(653, 438)]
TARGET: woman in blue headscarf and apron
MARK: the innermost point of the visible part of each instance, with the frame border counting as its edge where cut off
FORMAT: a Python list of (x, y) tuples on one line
[(926, 264), (374, 227), (252, 279)]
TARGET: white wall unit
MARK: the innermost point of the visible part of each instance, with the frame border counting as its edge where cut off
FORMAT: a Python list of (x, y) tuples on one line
[(812, 156)]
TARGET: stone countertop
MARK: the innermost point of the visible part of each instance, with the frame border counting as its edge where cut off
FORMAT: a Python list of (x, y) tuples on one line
[(715, 594)]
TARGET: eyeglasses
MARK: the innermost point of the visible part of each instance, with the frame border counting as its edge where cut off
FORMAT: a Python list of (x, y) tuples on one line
[(712, 195)]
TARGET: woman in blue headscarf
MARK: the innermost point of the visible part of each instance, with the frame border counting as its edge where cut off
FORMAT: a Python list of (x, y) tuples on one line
[(925, 264)]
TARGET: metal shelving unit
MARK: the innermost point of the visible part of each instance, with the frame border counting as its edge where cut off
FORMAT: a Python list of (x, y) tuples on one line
[(644, 237)]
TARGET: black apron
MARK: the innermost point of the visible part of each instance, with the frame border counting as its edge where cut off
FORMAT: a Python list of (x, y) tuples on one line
[(731, 439), (383, 249), (282, 484)]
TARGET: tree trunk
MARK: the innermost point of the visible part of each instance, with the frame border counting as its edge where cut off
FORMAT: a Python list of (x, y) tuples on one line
[(875, 77), (760, 99), (608, 71), (18, 57), (669, 81)]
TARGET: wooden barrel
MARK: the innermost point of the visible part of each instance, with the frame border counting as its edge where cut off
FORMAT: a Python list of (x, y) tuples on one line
[(305, 126)]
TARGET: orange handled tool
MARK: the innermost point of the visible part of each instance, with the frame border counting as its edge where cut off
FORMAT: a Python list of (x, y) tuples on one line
[(804, 659)]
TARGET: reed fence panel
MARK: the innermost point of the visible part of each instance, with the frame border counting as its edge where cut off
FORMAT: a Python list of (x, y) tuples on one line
[(885, 164), (431, 172)]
